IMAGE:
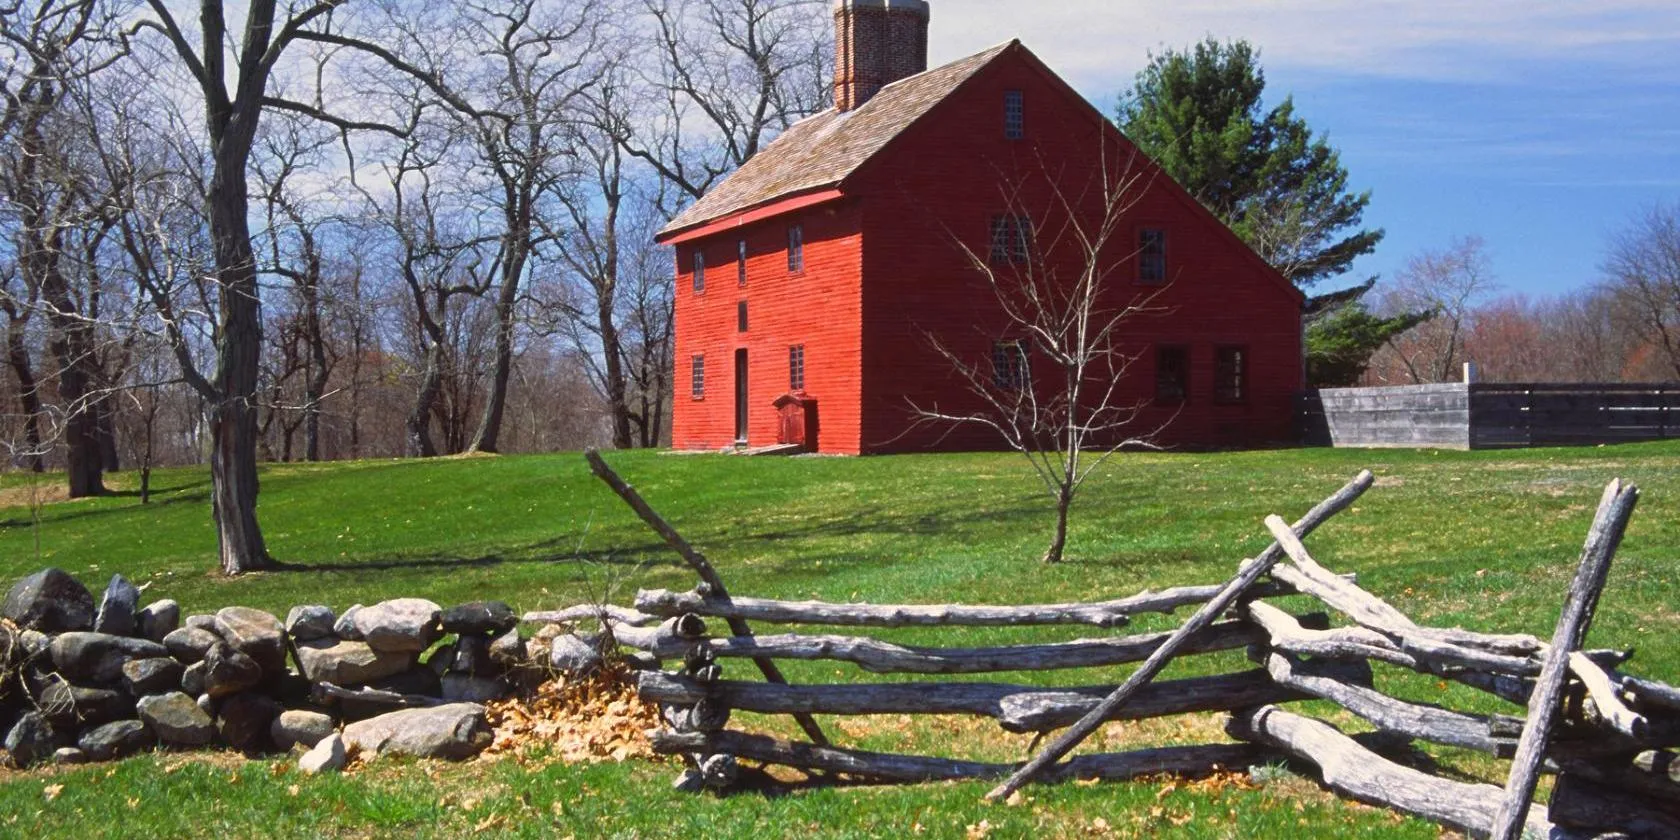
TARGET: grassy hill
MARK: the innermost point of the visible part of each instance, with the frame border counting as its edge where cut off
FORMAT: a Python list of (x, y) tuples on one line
[(1483, 540)]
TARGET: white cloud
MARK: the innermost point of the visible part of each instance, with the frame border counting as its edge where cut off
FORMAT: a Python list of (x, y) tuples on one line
[(1098, 44)]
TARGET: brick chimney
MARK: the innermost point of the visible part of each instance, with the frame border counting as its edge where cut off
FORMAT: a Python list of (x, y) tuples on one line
[(877, 42)]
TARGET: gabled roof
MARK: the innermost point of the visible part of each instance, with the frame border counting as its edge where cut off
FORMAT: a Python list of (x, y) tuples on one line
[(823, 150)]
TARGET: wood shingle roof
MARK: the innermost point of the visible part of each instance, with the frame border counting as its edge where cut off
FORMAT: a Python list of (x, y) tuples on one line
[(825, 149)]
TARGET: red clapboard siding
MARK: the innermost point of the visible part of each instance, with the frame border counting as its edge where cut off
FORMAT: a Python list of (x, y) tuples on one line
[(885, 278), (818, 307)]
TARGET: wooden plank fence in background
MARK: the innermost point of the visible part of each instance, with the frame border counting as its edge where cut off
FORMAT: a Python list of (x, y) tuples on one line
[(1490, 415)]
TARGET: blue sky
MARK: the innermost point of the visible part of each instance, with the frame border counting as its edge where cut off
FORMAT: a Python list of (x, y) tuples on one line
[(1542, 126)]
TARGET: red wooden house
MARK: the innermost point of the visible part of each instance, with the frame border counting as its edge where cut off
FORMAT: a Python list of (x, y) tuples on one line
[(814, 283)]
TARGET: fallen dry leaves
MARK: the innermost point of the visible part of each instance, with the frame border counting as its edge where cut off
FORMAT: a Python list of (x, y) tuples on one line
[(591, 720)]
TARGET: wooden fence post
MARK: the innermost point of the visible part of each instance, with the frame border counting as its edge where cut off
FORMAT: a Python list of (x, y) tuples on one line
[(1164, 654), (702, 567), (1606, 534)]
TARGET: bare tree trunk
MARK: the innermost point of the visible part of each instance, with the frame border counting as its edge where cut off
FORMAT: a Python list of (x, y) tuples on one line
[(612, 350), (1058, 542), (29, 398), (315, 375), (488, 438), (420, 416), (105, 411), (71, 345), (233, 418)]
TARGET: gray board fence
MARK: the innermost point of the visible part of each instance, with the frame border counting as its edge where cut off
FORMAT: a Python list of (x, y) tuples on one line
[(1491, 415)]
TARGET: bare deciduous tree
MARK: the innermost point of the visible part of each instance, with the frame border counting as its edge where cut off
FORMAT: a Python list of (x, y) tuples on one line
[(730, 75), (1643, 267), (1054, 387), (55, 209), (1449, 283)]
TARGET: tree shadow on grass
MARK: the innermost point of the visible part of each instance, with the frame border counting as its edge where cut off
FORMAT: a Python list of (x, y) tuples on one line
[(56, 514), (529, 555)]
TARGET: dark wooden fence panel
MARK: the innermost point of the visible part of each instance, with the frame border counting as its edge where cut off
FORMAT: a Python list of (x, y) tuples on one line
[(1490, 415), (1550, 414)]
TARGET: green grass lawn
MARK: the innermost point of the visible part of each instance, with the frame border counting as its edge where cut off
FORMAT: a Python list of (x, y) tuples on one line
[(1485, 540)]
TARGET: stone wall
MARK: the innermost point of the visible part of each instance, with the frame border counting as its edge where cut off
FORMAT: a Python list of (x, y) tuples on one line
[(81, 680)]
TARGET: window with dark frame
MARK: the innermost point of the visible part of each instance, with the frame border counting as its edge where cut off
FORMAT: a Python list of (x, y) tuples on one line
[(741, 316), (1172, 374), (1011, 240), (1152, 255), (796, 367), (699, 271), (796, 249), (1230, 374), (741, 263), (1014, 115), (1011, 370), (697, 377)]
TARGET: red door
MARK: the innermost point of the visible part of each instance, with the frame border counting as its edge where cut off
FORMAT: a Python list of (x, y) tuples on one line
[(797, 420)]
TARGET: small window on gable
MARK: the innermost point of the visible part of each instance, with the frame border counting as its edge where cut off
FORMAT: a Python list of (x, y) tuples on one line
[(1011, 240), (741, 316), (1152, 255), (796, 367), (699, 271), (1014, 115), (697, 377), (1230, 374), (1010, 367), (741, 263), (796, 249), (1172, 374)]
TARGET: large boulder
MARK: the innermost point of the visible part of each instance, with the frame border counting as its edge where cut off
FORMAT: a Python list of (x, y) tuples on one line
[(298, 726), (117, 608), (115, 740), (99, 657), (308, 623), (348, 663), (455, 731), (177, 719), (75, 706), (151, 676), (158, 619), (401, 625), (244, 721), (228, 671), (189, 644), (255, 634), (50, 601), (33, 738), (479, 617)]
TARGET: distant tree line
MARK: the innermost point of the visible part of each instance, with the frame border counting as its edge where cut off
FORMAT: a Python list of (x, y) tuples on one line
[(1199, 112), (319, 229)]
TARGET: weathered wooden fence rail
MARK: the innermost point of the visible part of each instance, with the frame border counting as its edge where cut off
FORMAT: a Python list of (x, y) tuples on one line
[(1610, 737)]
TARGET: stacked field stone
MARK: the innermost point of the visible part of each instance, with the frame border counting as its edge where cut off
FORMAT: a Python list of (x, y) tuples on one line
[(80, 681)]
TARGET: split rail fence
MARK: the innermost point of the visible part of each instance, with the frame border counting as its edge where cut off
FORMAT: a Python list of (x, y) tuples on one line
[(1608, 736)]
